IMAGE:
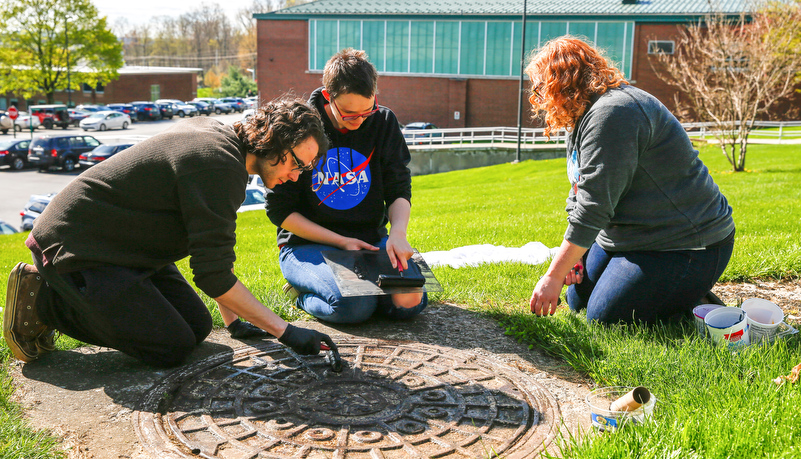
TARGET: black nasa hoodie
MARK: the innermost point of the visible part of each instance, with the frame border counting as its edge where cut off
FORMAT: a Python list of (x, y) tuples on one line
[(361, 174)]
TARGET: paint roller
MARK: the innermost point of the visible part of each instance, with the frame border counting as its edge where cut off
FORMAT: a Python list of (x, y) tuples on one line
[(400, 280)]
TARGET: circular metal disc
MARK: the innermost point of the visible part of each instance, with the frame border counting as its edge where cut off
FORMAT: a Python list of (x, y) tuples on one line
[(391, 400)]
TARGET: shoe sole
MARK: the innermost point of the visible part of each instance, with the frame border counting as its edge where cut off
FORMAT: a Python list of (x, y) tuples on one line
[(10, 311)]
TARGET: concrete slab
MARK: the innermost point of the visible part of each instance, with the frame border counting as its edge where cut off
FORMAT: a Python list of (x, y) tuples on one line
[(87, 396)]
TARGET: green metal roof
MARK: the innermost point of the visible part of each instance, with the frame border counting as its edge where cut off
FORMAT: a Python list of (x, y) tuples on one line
[(505, 8)]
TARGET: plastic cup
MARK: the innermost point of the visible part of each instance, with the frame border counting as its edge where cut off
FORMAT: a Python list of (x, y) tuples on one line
[(605, 419), (729, 326), (700, 312), (764, 319)]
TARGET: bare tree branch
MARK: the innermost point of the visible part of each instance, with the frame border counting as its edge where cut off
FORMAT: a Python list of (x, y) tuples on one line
[(733, 70)]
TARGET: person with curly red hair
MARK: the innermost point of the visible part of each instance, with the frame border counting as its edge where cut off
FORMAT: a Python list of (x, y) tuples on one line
[(649, 232)]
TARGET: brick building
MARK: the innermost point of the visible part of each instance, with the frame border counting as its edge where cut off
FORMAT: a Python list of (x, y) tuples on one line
[(134, 83), (456, 63)]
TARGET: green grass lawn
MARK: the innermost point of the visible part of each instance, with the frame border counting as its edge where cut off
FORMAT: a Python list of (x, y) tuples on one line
[(712, 403)]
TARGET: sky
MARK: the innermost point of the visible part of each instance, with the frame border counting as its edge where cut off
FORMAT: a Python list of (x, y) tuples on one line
[(140, 11)]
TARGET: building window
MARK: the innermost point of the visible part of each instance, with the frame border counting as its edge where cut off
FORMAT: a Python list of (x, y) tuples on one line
[(660, 47), (455, 48), (99, 88), (155, 92)]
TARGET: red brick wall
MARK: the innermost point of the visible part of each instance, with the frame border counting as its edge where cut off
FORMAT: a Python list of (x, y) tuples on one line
[(283, 67), (642, 75)]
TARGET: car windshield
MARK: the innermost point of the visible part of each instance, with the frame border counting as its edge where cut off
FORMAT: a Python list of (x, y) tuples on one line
[(37, 206), (104, 149), (7, 144), (98, 115), (253, 196)]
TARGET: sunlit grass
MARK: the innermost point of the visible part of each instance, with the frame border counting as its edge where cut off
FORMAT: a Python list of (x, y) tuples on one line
[(712, 403)]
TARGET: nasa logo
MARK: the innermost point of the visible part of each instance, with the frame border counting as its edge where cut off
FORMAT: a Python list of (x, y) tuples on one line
[(342, 179)]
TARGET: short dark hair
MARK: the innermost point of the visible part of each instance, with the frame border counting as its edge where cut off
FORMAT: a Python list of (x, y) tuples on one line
[(279, 125), (349, 72)]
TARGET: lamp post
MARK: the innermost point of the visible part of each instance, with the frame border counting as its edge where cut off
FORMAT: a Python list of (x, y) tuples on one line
[(67, 47), (520, 91)]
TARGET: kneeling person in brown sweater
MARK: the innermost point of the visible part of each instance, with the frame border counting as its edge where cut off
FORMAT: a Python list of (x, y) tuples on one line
[(105, 248)]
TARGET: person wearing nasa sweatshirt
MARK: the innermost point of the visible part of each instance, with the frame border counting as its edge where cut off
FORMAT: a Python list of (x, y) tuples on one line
[(346, 200)]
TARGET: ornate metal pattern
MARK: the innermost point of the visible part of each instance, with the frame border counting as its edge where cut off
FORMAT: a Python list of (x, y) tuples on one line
[(391, 401)]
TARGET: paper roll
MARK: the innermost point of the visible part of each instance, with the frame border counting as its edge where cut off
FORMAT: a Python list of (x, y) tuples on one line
[(632, 400)]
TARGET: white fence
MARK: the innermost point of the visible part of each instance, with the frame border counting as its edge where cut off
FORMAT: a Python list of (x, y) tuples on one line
[(775, 131)]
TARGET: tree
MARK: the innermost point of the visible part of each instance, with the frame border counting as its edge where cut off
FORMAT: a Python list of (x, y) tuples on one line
[(236, 85), (733, 71), (46, 45)]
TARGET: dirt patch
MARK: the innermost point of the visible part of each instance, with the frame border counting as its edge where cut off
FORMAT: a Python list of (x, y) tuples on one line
[(87, 396), (786, 294)]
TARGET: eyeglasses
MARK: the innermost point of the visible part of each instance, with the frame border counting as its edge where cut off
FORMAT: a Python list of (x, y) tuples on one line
[(355, 117), (536, 97), (301, 167)]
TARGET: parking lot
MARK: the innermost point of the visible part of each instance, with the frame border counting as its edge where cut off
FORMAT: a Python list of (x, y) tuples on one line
[(17, 186)]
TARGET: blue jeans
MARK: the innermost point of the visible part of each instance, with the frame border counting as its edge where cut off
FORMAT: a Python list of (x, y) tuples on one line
[(306, 270), (646, 286)]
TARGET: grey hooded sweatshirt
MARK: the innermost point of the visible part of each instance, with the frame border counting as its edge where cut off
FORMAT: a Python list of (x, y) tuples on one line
[(637, 182)]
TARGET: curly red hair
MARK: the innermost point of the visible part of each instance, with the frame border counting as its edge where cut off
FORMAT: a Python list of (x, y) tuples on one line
[(564, 73)]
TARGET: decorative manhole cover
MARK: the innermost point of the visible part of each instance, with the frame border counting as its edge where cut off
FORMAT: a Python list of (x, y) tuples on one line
[(390, 401)]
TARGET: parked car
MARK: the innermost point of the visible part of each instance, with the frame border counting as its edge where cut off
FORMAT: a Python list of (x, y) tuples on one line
[(183, 109), (247, 114), (91, 108), (202, 108), (106, 120), (35, 206), (252, 101), (221, 107), (77, 115), (14, 153), (5, 228), (236, 102), (166, 111), (256, 181), (218, 106), (128, 109), (420, 138), (254, 199), (52, 115), (101, 153), (146, 111), (6, 124), (24, 122), (60, 150)]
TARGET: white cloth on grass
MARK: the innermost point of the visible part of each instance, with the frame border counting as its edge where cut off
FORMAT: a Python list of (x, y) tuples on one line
[(533, 253)]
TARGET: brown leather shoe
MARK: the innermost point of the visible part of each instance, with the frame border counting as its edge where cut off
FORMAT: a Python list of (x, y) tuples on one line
[(22, 328)]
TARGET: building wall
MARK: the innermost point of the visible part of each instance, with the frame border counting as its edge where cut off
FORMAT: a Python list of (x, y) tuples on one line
[(283, 56), (283, 68), (128, 88), (642, 75)]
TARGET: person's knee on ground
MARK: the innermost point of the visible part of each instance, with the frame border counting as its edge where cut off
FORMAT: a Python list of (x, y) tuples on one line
[(170, 353), (340, 310), (407, 300)]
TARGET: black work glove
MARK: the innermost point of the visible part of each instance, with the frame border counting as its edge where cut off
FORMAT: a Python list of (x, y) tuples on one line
[(305, 341), (242, 330)]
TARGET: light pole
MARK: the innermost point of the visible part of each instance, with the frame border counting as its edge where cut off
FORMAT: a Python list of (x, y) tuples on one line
[(67, 46), (520, 91)]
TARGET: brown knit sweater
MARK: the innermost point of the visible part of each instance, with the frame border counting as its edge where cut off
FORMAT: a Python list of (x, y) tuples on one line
[(168, 197)]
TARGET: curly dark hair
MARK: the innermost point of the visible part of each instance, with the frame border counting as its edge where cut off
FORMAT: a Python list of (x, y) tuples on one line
[(349, 72), (279, 125), (564, 73)]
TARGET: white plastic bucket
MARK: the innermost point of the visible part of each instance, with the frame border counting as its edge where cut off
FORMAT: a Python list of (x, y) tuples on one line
[(764, 319), (700, 312), (728, 325)]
